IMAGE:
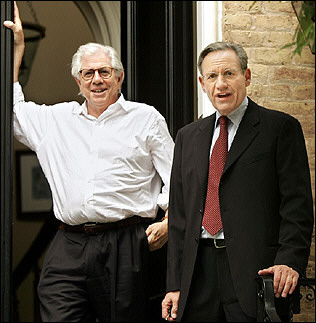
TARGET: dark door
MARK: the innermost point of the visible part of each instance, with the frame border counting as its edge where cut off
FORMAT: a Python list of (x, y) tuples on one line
[(157, 49)]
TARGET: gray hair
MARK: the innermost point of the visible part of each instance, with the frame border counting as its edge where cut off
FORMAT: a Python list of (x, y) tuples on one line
[(240, 52), (91, 49)]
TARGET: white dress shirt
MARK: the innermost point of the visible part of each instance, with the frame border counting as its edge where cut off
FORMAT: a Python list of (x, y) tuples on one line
[(234, 120), (99, 169)]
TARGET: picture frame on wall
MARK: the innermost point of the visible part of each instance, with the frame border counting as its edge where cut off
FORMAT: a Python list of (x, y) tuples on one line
[(33, 194)]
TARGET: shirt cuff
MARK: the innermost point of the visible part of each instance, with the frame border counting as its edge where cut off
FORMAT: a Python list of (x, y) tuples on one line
[(18, 95), (163, 201)]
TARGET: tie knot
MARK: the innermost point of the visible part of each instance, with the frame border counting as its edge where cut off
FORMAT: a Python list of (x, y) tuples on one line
[(223, 120)]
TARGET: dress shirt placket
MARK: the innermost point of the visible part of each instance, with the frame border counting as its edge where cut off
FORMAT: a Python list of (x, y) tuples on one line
[(96, 137)]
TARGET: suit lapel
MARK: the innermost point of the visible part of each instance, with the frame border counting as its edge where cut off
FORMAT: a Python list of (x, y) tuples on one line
[(202, 143), (247, 131)]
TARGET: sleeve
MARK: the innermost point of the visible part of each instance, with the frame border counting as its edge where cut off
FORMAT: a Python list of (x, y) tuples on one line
[(176, 221), (161, 148), (29, 120), (296, 207)]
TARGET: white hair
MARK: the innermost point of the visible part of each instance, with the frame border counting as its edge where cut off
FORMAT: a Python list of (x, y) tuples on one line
[(91, 49)]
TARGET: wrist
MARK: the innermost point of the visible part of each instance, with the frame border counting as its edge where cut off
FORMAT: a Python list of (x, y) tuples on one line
[(166, 215)]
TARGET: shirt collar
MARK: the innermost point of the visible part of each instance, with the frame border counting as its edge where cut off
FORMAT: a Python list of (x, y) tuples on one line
[(236, 116), (119, 104)]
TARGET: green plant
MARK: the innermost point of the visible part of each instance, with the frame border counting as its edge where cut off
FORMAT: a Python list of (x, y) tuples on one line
[(305, 31)]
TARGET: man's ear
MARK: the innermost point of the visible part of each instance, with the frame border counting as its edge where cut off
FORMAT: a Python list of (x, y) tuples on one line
[(120, 78), (201, 80), (248, 77), (77, 81)]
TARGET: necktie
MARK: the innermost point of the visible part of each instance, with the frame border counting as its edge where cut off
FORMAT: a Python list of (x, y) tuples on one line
[(212, 218)]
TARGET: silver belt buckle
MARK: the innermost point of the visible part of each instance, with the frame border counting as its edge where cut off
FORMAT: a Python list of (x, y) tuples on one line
[(90, 224), (217, 246)]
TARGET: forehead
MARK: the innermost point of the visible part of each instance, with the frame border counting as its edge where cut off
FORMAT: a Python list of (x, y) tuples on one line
[(96, 60), (220, 60)]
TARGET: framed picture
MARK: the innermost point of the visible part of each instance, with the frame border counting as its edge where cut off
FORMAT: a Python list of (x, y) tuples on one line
[(34, 199)]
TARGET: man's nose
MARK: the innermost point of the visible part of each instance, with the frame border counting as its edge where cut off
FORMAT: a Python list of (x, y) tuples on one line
[(221, 80), (96, 76)]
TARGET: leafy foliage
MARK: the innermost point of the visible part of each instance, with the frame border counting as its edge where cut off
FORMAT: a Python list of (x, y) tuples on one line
[(305, 31)]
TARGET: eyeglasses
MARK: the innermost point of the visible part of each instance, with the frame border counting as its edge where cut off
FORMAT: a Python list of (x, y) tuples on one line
[(229, 75), (105, 72)]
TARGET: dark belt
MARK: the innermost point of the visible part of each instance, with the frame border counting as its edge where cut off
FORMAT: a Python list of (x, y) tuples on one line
[(217, 243), (93, 228)]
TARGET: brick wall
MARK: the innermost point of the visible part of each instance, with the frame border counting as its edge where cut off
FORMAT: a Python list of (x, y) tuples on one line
[(279, 81)]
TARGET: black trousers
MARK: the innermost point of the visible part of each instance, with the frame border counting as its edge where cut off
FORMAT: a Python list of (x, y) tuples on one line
[(102, 277), (212, 296)]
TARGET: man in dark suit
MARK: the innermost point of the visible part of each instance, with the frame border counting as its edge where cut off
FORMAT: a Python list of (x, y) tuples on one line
[(262, 195)]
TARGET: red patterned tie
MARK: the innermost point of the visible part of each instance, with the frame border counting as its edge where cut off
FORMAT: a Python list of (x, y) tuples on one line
[(212, 218)]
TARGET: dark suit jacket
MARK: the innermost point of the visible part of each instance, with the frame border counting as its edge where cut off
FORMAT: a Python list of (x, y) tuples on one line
[(265, 200)]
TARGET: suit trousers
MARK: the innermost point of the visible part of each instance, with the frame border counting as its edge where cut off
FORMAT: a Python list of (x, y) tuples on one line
[(212, 297), (88, 277)]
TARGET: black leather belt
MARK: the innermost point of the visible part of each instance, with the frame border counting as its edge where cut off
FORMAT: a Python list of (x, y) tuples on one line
[(216, 243), (93, 228)]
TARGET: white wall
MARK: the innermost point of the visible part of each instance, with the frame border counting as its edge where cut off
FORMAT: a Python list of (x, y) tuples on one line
[(209, 21)]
